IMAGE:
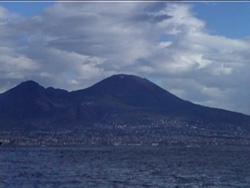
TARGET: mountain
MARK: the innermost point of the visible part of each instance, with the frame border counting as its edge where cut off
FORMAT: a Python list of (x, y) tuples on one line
[(116, 105)]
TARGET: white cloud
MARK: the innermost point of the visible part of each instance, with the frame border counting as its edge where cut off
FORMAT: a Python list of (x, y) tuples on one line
[(14, 65), (73, 45)]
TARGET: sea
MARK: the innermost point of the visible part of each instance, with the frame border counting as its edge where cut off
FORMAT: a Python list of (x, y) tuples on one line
[(124, 166)]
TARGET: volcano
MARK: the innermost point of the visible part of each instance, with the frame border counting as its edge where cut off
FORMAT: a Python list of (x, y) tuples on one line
[(117, 100)]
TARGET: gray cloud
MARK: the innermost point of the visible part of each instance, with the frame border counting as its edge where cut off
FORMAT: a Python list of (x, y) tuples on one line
[(74, 45), (150, 18)]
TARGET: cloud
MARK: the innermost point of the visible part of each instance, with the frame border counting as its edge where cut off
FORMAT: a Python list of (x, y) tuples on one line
[(74, 45)]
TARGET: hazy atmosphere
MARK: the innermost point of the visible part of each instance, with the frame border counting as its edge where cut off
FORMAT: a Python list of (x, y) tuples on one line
[(197, 51)]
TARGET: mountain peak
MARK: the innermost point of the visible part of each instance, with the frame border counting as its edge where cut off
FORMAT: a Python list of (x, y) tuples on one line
[(125, 79), (133, 91), (29, 83), (121, 83), (121, 76), (27, 87)]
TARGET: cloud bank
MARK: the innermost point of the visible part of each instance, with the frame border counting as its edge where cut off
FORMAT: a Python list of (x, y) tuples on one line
[(74, 45)]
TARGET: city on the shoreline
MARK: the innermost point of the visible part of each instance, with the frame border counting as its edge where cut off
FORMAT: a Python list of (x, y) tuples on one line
[(177, 133)]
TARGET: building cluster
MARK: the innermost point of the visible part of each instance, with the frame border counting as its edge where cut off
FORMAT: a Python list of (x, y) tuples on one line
[(156, 133)]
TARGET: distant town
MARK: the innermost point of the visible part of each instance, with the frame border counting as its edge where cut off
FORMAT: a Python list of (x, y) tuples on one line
[(119, 110), (158, 134)]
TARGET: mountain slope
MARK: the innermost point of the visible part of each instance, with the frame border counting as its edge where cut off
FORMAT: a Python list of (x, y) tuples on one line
[(141, 94), (135, 92), (119, 99)]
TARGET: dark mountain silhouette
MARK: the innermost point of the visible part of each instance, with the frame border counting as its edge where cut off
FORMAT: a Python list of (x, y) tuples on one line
[(117, 100)]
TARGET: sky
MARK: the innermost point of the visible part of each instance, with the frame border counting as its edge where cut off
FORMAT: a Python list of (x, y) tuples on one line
[(199, 51)]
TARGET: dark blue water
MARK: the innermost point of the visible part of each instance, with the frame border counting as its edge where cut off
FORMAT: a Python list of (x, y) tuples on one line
[(119, 167)]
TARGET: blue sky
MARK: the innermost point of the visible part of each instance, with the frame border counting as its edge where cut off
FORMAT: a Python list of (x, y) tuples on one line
[(230, 19), (197, 51), (27, 9)]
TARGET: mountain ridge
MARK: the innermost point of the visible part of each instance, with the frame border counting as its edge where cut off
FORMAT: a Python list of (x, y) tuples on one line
[(121, 109), (33, 84), (116, 101)]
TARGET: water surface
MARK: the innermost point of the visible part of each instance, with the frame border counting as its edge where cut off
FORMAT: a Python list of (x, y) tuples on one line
[(166, 167)]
